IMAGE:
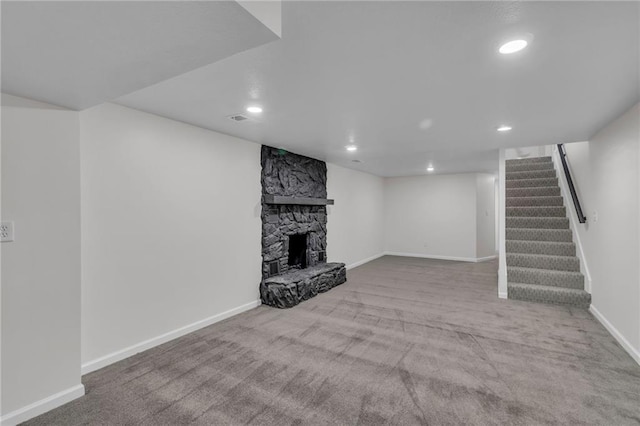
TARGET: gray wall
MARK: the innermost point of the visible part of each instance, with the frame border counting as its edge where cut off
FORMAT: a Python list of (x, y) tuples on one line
[(41, 268), (607, 175), (438, 216), (170, 229)]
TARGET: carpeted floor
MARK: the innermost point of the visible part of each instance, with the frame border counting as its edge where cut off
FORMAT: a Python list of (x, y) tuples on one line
[(404, 341)]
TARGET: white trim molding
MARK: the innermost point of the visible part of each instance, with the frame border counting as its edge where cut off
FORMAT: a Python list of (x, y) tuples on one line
[(484, 259), (439, 257), (116, 356), (503, 288), (40, 407), (573, 219), (363, 261), (635, 353)]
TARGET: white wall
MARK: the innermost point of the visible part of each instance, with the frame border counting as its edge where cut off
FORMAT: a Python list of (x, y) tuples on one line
[(502, 223), (41, 268), (485, 216), (431, 215), (170, 229), (355, 222), (606, 173), (450, 216), (527, 152)]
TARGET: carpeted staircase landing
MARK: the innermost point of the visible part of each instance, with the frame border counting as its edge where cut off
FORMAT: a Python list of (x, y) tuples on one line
[(541, 257)]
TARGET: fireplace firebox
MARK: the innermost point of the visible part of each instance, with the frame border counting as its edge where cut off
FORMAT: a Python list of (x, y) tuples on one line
[(298, 251)]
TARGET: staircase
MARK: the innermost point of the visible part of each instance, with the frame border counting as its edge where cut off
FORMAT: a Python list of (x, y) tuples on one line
[(541, 257)]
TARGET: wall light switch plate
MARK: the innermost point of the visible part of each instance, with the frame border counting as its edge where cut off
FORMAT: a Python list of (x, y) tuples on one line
[(6, 232)]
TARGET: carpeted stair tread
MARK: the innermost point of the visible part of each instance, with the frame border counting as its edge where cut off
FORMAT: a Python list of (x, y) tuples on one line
[(542, 265), (548, 294), (532, 183), (528, 167), (532, 234), (534, 201), (531, 174), (544, 191), (544, 261), (548, 277), (552, 248), (531, 160), (537, 211), (538, 222)]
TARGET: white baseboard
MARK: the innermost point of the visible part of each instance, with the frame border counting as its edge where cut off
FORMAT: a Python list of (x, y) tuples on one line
[(40, 407), (108, 359), (435, 256), (503, 288), (363, 261), (635, 354)]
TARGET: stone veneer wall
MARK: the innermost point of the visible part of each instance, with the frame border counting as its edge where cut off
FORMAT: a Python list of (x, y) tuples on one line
[(287, 174)]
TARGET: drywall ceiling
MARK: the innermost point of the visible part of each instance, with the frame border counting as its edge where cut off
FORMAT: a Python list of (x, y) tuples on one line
[(268, 12), (81, 53), (413, 83)]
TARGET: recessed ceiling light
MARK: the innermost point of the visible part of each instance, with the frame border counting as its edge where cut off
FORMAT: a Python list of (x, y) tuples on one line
[(512, 46), (254, 109), (503, 128), (430, 168), (351, 148)]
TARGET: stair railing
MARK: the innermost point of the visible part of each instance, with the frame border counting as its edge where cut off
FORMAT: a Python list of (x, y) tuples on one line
[(574, 195)]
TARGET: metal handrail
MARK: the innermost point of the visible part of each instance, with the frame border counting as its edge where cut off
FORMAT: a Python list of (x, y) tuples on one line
[(574, 195)]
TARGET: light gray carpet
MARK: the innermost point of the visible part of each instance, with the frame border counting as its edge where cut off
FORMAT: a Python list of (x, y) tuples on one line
[(404, 341)]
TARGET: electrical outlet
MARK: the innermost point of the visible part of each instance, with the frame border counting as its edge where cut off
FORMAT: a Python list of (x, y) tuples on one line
[(6, 232)]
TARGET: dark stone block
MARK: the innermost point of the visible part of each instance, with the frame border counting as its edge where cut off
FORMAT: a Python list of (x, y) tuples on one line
[(307, 289), (272, 252), (313, 241), (270, 240), (298, 228), (289, 289), (301, 217), (288, 174), (269, 228), (315, 227), (280, 295), (273, 219)]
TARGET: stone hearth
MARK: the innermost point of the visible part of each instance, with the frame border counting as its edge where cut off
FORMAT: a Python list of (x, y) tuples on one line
[(287, 290), (294, 234)]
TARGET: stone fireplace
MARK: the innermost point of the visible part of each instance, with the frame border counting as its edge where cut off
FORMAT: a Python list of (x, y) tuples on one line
[(294, 229)]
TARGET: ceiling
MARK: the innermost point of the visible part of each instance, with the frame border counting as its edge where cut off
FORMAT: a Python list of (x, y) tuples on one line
[(413, 83), (82, 53), (410, 83)]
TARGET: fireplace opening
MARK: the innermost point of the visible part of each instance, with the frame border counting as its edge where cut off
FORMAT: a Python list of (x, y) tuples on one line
[(298, 251)]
